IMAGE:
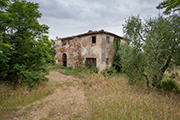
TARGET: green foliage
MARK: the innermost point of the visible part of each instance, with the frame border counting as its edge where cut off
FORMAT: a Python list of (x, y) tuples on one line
[(52, 51), (92, 66), (4, 59), (117, 60), (24, 45), (56, 67), (131, 58), (116, 44), (170, 85), (94, 69), (170, 5), (152, 47), (108, 71), (29, 77), (88, 64), (67, 70), (117, 54)]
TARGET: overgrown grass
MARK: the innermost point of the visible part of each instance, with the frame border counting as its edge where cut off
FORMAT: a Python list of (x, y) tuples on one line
[(113, 98), (78, 72), (108, 97), (11, 100)]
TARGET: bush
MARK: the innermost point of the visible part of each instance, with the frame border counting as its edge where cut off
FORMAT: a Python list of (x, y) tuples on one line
[(117, 62), (95, 69), (108, 71), (28, 77), (170, 85), (69, 68)]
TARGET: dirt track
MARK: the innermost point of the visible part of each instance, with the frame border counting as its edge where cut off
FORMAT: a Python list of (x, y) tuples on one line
[(66, 102)]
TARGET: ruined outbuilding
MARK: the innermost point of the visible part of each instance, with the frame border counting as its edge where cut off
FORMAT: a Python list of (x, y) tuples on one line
[(95, 47)]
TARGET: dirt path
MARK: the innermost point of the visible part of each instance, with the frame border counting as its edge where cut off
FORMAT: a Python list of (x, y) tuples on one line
[(66, 102)]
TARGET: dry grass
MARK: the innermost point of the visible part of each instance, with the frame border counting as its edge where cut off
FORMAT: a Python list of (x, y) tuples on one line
[(66, 102), (12, 100), (103, 98), (114, 98)]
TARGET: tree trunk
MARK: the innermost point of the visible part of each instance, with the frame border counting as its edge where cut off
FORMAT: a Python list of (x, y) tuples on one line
[(157, 78), (163, 69), (147, 80)]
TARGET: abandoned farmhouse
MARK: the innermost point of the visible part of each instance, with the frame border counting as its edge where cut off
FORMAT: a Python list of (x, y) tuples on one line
[(94, 47)]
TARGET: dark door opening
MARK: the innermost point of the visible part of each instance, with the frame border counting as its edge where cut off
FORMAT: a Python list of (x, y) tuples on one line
[(64, 59), (91, 62)]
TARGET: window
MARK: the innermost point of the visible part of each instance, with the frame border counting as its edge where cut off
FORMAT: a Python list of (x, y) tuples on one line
[(107, 62), (94, 39), (107, 39), (64, 42)]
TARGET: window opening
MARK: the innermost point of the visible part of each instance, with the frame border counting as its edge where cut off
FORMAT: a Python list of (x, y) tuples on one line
[(107, 39), (64, 42), (94, 39), (107, 62)]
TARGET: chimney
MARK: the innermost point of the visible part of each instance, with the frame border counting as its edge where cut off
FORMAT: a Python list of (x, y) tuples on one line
[(101, 31), (90, 31)]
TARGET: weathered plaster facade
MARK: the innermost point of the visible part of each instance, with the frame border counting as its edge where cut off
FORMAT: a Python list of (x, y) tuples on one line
[(75, 50)]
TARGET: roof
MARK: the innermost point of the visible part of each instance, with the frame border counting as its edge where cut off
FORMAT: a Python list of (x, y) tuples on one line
[(90, 32)]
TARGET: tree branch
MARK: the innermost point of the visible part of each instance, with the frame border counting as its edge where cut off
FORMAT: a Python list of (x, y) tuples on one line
[(141, 37), (163, 69)]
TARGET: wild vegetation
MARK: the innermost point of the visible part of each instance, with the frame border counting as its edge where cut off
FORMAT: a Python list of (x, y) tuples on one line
[(117, 54), (170, 6), (12, 100), (150, 57), (113, 98), (24, 45), (106, 97), (152, 47)]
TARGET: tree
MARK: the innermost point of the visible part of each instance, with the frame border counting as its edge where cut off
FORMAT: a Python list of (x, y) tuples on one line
[(153, 46), (24, 45), (170, 5)]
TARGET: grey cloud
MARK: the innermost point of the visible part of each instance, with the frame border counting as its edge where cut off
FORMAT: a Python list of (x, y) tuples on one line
[(69, 17)]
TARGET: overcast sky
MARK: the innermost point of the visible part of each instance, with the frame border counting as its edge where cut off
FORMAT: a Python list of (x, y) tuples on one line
[(72, 17)]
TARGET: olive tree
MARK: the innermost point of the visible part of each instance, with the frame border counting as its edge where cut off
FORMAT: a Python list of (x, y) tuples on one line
[(153, 47), (170, 6)]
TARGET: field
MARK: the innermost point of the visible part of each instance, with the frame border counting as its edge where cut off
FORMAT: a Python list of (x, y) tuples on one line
[(82, 94)]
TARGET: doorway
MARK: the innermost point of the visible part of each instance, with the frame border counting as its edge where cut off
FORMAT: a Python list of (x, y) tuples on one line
[(64, 59), (91, 62)]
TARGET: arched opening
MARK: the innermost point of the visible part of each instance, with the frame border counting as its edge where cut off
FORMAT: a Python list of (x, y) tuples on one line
[(64, 59)]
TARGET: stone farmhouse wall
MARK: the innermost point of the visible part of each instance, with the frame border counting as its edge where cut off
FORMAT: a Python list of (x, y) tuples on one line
[(74, 51)]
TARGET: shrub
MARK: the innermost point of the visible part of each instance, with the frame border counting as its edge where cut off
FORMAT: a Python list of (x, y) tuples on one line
[(69, 68), (170, 85), (28, 77), (95, 69), (108, 71)]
